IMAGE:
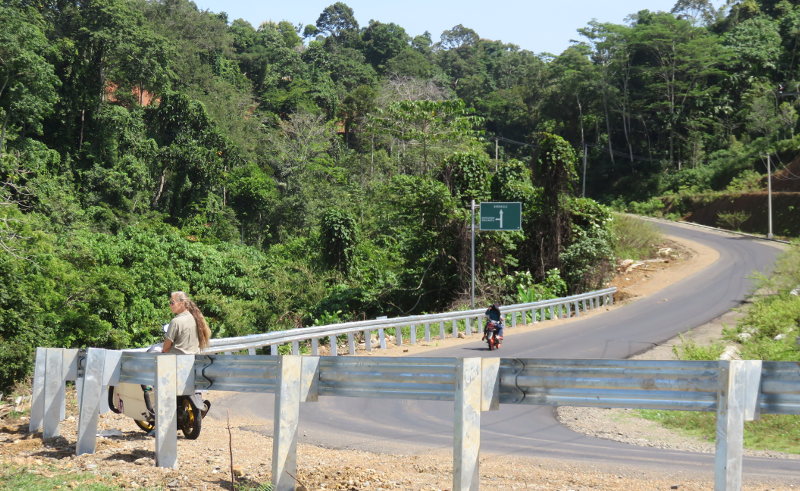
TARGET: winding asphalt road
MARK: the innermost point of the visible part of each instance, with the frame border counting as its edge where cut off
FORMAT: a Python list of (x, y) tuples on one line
[(418, 426)]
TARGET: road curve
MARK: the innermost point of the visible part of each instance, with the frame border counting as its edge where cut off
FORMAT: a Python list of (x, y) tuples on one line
[(418, 426)]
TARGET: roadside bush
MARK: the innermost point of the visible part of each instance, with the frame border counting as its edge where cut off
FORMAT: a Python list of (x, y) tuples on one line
[(634, 238), (588, 260), (732, 220), (652, 207), (747, 181), (552, 287), (771, 316), (689, 350)]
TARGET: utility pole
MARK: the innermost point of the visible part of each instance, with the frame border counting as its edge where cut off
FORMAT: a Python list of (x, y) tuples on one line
[(583, 192), (769, 198), (472, 260)]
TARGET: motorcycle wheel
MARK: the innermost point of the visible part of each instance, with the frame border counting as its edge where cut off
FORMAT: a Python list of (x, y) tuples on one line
[(147, 426), (191, 422), (111, 401)]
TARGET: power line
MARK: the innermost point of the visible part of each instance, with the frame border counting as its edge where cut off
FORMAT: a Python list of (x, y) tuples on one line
[(786, 170), (615, 152)]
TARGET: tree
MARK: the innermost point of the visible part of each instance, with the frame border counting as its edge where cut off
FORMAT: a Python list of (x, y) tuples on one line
[(698, 12), (193, 155), (338, 235), (677, 63), (553, 169), (458, 37), (467, 176), (757, 45), (336, 20), (431, 237), (27, 80), (434, 127), (383, 42), (300, 158)]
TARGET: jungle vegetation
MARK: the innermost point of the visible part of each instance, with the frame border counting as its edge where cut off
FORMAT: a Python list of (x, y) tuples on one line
[(289, 175)]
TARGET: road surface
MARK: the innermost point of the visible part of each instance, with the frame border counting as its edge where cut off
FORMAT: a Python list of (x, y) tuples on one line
[(418, 426)]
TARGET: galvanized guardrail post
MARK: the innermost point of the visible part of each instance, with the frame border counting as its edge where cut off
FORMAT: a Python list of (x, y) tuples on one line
[(37, 396), (102, 370), (467, 424), (53, 392), (737, 402), (166, 410), (297, 382), (52, 368)]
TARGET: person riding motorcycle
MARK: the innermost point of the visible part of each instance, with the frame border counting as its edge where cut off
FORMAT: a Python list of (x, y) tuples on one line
[(493, 315)]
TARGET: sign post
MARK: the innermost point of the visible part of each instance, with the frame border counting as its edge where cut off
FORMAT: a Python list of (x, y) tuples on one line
[(472, 261), (500, 215)]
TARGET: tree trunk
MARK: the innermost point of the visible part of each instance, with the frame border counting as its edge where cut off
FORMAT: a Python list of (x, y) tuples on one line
[(3, 137), (608, 128), (80, 140), (160, 189)]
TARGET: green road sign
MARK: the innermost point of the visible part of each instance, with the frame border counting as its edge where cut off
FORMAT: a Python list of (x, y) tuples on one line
[(501, 216)]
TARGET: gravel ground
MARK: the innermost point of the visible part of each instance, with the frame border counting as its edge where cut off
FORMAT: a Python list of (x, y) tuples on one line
[(229, 451)]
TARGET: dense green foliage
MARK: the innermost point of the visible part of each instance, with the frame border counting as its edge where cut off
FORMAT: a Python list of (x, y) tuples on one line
[(286, 177)]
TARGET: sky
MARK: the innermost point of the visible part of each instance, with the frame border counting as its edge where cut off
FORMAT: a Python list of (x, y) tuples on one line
[(531, 24)]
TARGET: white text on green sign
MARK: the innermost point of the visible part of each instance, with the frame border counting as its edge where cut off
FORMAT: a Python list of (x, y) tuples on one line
[(501, 216)]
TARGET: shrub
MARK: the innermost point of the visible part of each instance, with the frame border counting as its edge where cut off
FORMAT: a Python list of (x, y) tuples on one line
[(634, 238), (732, 220), (652, 207), (689, 350), (746, 182)]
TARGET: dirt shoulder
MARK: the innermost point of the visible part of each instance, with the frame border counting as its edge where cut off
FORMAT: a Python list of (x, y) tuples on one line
[(125, 455)]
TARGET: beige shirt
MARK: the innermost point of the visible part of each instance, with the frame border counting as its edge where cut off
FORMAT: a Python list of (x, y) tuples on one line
[(182, 331)]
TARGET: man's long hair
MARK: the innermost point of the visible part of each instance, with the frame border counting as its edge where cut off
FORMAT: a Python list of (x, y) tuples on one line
[(203, 331)]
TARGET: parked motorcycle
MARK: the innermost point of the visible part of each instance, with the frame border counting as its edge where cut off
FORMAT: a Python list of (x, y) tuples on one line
[(490, 335), (136, 401)]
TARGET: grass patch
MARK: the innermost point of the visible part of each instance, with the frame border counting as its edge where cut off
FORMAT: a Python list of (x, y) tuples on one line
[(49, 477), (634, 238), (776, 432)]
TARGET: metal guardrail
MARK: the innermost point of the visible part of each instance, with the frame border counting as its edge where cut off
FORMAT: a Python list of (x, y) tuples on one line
[(640, 384), (429, 324), (737, 390)]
